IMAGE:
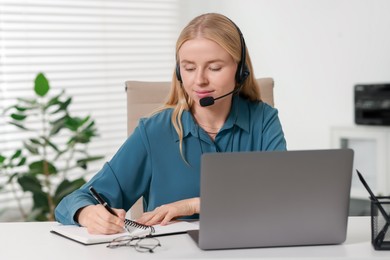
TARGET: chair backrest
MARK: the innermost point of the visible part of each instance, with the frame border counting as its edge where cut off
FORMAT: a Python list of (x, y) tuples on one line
[(143, 97)]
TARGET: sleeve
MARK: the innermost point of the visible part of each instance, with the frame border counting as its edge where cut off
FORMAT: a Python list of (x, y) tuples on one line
[(272, 134), (121, 181)]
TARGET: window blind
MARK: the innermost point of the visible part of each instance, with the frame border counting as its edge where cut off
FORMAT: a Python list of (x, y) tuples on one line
[(89, 48)]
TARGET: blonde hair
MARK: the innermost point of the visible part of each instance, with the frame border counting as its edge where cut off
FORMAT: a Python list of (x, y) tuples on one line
[(223, 31)]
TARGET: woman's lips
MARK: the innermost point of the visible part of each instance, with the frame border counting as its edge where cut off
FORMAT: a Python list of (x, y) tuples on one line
[(203, 93)]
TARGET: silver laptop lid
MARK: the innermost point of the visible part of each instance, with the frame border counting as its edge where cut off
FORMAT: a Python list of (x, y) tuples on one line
[(264, 199)]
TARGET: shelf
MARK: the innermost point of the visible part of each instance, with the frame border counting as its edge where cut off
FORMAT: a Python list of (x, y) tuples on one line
[(371, 145)]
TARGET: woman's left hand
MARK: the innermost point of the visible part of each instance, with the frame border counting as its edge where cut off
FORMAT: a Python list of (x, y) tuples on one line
[(165, 213)]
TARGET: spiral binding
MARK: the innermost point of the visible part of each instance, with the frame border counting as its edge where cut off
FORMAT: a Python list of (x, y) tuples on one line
[(132, 225)]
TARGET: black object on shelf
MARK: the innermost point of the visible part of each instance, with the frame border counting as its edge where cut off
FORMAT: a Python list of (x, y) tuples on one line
[(372, 104)]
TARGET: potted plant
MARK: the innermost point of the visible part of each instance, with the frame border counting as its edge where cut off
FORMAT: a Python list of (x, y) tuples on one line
[(44, 164)]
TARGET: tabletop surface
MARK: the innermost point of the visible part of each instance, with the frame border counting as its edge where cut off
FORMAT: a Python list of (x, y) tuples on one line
[(33, 240)]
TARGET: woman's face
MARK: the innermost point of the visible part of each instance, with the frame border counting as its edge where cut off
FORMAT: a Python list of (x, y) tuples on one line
[(206, 70)]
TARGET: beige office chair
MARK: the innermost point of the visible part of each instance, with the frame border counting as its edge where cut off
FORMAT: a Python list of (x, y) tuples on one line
[(143, 97)]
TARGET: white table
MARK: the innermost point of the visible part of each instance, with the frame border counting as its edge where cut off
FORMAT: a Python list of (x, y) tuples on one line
[(32, 240)]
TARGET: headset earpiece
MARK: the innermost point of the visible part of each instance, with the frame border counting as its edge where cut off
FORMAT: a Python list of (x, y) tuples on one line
[(242, 72)]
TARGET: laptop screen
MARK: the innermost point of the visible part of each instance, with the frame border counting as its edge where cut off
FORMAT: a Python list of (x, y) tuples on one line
[(281, 198)]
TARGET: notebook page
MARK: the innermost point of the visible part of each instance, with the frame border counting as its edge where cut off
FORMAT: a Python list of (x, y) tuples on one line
[(81, 234)]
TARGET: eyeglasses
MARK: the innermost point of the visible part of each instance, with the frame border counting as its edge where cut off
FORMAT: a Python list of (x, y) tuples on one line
[(141, 244)]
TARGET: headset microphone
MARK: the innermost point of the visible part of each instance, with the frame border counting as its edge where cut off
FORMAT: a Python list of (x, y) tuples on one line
[(208, 101)]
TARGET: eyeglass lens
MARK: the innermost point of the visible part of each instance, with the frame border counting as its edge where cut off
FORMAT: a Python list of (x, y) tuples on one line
[(143, 244)]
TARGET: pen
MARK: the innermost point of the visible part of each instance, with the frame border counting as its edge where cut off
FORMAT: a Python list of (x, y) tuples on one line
[(101, 201)]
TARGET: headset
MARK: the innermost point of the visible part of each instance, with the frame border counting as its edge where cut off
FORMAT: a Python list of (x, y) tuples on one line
[(242, 72)]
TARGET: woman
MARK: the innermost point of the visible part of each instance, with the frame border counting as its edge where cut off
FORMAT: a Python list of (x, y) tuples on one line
[(214, 106)]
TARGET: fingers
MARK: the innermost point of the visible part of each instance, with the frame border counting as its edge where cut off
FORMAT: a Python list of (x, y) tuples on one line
[(167, 219), (160, 215), (165, 213), (121, 213), (99, 221), (106, 223), (153, 217)]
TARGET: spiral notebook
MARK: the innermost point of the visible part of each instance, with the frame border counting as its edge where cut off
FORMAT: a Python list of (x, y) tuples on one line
[(132, 228), (137, 229)]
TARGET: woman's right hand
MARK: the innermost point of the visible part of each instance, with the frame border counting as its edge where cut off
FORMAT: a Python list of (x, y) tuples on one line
[(98, 220)]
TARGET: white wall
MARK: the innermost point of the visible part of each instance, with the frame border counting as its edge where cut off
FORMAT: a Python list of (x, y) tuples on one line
[(316, 51)]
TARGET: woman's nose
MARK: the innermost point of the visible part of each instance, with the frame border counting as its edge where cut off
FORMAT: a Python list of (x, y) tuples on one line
[(201, 77)]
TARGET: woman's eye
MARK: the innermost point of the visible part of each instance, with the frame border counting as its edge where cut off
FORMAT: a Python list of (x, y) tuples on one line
[(215, 68), (189, 69)]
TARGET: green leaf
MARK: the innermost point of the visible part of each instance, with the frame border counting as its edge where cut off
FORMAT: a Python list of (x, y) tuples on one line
[(30, 183), (31, 148), (52, 145), (90, 126), (82, 138), (40, 201), (22, 161), (54, 100), (38, 168), (63, 106), (82, 165), (18, 117), (32, 102), (77, 139), (66, 103), (84, 162), (16, 154), (60, 119), (83, 121), (10, 178), (57, 126), (2, 159), (66, 187), (90, 159), (41, 85), (35, 141), (19, 126), (72, 123), (21, 109)]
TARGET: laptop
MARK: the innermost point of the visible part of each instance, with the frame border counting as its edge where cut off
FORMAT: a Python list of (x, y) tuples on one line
[(278, 198)]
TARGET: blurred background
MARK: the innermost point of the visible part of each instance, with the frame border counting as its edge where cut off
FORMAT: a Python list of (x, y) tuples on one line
[(316, 51)]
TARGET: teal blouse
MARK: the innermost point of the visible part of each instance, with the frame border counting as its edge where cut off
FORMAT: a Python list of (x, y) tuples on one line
[(149, 163)]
